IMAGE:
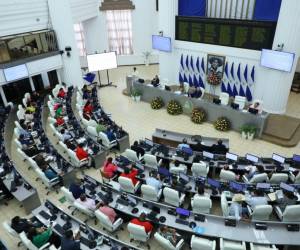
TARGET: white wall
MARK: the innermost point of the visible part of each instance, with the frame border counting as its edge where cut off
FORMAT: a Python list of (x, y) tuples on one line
[(19, 16), (271, 86), (83, 9), (144, 24)]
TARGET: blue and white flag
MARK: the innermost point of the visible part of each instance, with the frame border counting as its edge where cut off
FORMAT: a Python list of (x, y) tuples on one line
[(223, 87), (232, 71), (196, 82), (246, 74), (201, 83), (180, 77), (226, 69), (187, 62), (239, 72), (229, 90), (190, 80), (192, 63), (185, 78), (248, 94), (202, 65), (234, 91), (181, 62), (242, 92), (198, 65), (253, 73)]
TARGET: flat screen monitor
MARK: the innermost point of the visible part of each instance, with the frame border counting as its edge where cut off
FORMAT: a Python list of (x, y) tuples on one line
[(184, 177), (16, 73), (161, 43), (252, 158), (278, 158), (231, 156), (208, 155), (103, 61), (91, 180), (296, 158), (239, 187), (182, 212), (263, 186), (213, 183), (287, 187), (277, 60)]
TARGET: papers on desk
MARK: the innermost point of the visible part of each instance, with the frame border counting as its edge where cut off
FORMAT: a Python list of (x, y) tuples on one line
[(272, 196), (198, 230)]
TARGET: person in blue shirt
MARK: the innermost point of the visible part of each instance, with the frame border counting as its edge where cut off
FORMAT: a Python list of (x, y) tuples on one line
[(69, 242), (76, 189), (110, 134), (183, 144), (154, 181)]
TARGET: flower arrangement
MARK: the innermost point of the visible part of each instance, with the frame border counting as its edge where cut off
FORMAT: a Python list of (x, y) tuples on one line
[(198, 115), (222, 124), (174, 108), (157, 103)]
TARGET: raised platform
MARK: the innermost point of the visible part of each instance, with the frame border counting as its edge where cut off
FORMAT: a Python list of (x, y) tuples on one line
[(282, 130)]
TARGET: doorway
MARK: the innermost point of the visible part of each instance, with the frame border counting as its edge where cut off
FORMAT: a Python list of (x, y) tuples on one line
[(16, 90)]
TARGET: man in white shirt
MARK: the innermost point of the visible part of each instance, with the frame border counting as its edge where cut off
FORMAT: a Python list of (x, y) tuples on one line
[(236, 209), (87, 202), (154, 181), (257, 199), (65, 135)]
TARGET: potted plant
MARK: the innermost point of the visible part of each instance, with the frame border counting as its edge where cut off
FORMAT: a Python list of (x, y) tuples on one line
[(244, 131), (251, 132), (174, 108), (198, 115), (136, 95), (147, 55), (157, 103), (222, 124)]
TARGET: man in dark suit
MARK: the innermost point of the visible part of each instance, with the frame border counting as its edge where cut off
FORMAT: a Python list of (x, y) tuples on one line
[(69, 242), (219, 148), (139, 150)]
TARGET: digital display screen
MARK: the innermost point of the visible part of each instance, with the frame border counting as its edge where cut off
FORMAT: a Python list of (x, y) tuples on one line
[(161, 43), (277, 60), (252, 158), (278, 158), (248, 34), (103, 61), (231, 156), (208, 155), (16, 73), (296, 158)]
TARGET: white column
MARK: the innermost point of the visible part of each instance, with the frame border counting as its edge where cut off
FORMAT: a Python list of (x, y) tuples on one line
[(31, 83), (3, 96), (168, 9), (62, 22), (45, 79), (277, 84)]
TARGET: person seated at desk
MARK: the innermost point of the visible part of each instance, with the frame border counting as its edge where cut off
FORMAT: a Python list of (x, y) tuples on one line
[(87, 202), (176, 167), (59, 112), (85, 92), (61, 93), (100, 128), (219, 148), (28, 117), (66, 136), (40, 236), (76, 189), (139, 150), (88, 108), (43, 165), (69, 242), (109, 169), (257, 106), (194, 92), (30, 107), (254, 170), (154, 181), (141, 221), (183, 145), (80, 152), (164, 163), (22, 225), (28, 146), (59, 121), (288, 199), (155, 81), (24, 130), (256, 199), (201, 192), (34, 97), (170, 234), (135, 72), (110, 134), (236, 208), (131, 174), (108, 211)]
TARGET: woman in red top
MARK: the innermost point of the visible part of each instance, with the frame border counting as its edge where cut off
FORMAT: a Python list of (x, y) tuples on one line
[(80, 152), (88, 108), (109, 169), (61, 93), (141, 221), (60, 121), (131, 175)]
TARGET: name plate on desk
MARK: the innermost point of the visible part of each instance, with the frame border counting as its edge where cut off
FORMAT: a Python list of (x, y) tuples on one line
[(293, 227), (199, 217), (230, 222), (261, 226)]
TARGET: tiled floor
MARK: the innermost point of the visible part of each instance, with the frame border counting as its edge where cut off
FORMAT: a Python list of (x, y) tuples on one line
[(140, 121)]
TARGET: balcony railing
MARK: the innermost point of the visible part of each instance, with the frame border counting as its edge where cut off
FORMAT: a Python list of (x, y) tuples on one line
[(28, 45)]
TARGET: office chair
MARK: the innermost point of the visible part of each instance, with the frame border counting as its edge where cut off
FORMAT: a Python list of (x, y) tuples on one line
[(262, 247), (106, 142), (201, 204), (291, 213), (106, 223), (6, 225), (138, 233), (176, 170), (295, 179), (20, 115), (198, 243), (258, 178), (225, 206), (260, 212), (172, 197), (241, 101), (89, 213), (50, 184), (92, 131), (166, 244), (68, 195), (127, 185), (78, 163), (227, 175), (29, 245), (131, 155), (150, 161), (224, 97), (200, 169), (277, 178), (232, 245), (149, 193)]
